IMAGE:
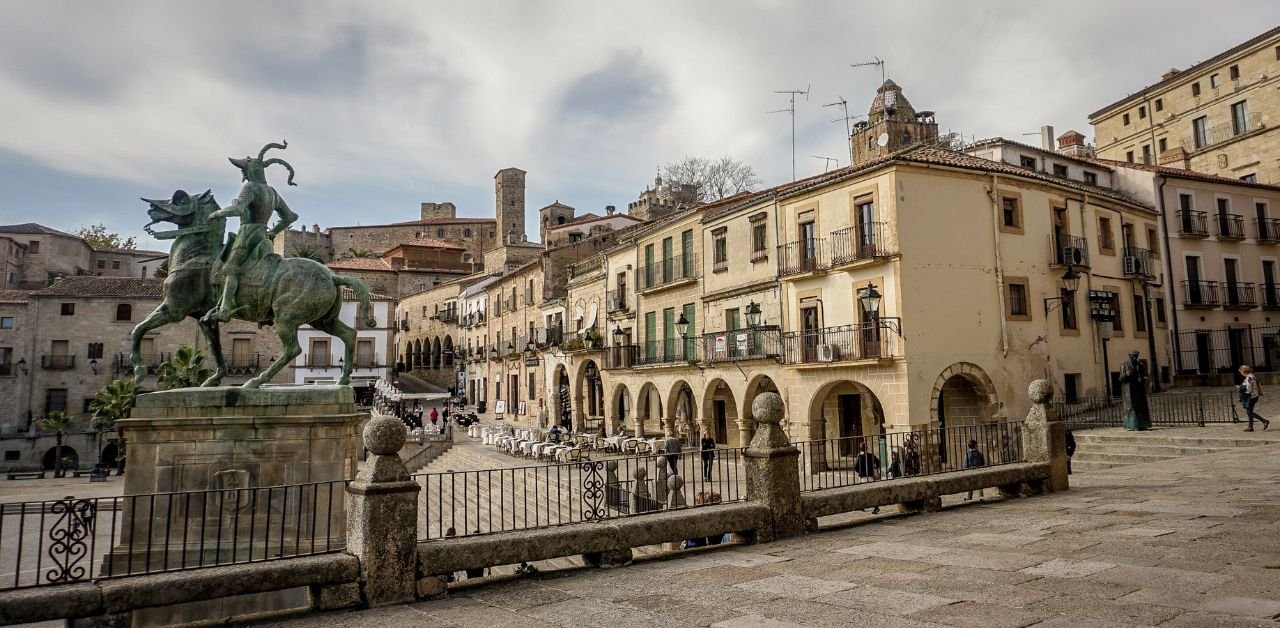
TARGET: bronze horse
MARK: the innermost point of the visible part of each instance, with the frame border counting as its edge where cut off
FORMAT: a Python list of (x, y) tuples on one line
[(285, 292)]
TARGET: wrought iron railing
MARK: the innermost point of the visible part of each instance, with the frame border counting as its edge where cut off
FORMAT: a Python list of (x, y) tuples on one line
[(675, 269), (670, 351), (1175, 408), (1193, 223), (1068, 249), (244, 363), (621, 357), (855, 243), (845, 461), (1239, 295), (1220, 133), (1230, 226), (841, 344), (152, 361), (467, 503), (1138, 262), (1268, 229), (1225, 349), (803, 256), (448, 315), (1200, 293), (318, 360), (742, 344), (1270, 295), (616, 301), (72, 540), (57, 362)]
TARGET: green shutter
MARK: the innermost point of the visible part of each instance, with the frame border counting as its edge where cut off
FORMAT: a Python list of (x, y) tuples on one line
[(650, 335), (648, 265), (667, 254), (668, 333), (686, 254), (689, 315)]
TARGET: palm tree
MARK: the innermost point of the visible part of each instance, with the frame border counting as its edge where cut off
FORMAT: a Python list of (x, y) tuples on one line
[(310, 252), (112, 403), (358, 253), (162, 270), (56, 422), (185, 370)]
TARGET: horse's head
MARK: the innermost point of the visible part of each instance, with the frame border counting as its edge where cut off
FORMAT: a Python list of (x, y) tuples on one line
[(182, 210)]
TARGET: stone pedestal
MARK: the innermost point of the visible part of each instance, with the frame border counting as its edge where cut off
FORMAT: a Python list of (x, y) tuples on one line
[(205, 471), (1044, 437), (773, 475)]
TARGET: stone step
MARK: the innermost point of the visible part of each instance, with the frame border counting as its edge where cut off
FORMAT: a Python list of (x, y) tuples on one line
[(1167, 451), (1117, 458), (1085, 439)]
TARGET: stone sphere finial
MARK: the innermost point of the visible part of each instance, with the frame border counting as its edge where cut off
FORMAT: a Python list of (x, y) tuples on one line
[(675, 483), (1040, 391), (384, 435), (611, 465), (767, 408), (640, 474)]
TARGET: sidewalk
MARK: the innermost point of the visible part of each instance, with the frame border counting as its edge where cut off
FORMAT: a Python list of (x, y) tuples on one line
[(1187, 542)]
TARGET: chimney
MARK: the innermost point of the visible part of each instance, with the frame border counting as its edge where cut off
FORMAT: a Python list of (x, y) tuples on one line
[(1170, 74), (1046, 138), (609, 209)]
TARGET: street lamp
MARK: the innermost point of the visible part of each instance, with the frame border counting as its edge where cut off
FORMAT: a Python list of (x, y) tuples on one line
[(1070, 283), (870, 300), (682, 326), (530, 349), (753, 314), (22, 364), (618, 335), (93, 364)]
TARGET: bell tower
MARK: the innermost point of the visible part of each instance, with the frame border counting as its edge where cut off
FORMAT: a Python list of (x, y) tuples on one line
[(508, 187), (892, 124)]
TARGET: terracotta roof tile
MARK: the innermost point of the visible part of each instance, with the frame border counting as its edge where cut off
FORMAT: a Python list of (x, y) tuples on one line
[(1182, 173), (995, 141), (14, 296), (33, 228), (350, 295), (590, 218), (360, 263), (104, 287), (107, 249), (429, 243)]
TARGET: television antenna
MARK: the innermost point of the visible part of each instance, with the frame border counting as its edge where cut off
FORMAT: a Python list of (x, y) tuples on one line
[(827, 165), (848, 128), (878, 61), (791, 109)]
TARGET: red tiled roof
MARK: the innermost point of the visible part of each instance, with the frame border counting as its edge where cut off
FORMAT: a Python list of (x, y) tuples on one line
[(994, 141), (1182, 173), (590, 218), (81, 286), (350, 295), (33, 228), (361, 263), (1190, 71), (14, 296), (431, 243), (106, 249)]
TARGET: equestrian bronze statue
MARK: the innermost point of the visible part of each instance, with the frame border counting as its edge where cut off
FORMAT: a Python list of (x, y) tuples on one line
[(255, 284)]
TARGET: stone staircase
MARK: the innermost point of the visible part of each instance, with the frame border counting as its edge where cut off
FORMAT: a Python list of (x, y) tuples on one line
[(1114, 447)]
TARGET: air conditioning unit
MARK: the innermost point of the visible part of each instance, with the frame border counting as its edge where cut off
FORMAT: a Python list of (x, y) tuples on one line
[(1133, 266), (828, 353), (1073, 255)]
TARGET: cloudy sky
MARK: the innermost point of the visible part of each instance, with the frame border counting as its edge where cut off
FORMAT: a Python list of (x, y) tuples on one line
[(387, 104)]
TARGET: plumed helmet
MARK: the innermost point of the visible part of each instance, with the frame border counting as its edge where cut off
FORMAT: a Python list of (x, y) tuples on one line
[(254, 169)]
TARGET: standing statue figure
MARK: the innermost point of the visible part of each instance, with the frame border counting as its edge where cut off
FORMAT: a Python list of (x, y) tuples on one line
[(1137, 413), (254, 206)]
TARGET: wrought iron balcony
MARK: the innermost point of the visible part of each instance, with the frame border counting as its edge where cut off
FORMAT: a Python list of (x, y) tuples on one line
[(672, 351), (672, 270), (856, 243), (616, 301), (448, 315), (802, 256), (1268, 229), (1270, 295), (621, 357), (244, 363), (1239, 296), (1200, 294), (1230, 226), (57, 362), (1193, 223), (152, 361), (1138, 263), (866, 341), (1220, 133), (742, 344), (1068, 249), (318, 360)]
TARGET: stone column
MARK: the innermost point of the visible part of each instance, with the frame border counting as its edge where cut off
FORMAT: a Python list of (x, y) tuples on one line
[(1044, 437), (382, 518), (773, 473)]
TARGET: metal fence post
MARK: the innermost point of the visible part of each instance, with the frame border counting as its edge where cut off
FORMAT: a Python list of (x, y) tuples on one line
[(1200, 404)]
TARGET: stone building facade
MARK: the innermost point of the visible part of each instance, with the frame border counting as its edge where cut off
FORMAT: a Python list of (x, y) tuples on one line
[(1219, 116), (891, 124)]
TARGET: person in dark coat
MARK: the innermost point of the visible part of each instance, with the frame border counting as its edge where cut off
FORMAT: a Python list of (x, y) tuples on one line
[(1071, 449), (708, 456)]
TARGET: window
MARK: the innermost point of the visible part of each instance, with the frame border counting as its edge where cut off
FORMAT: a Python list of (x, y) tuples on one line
[(1118, 324), (68, 309), (1068, 308), (1091, 178), (1011, 214), (1059, 170), (1146, 154), (55, 400), (1215, 80), (1162, 145), (6, 322), (115, 265), (1239, 118), (1195, 88), (102, 263), (1128, 156), (6, 361), (1125, 118), (1142, 113), (1029, 162), (1233, 72), (1200, 131), (466, 233), (33, 247), (12, 455), (1139, 314), (95, 351), (1159, 104), (1160, 310), (124, 312), (1153, 242), (1019, 308), (720, 250), (759, 237), (1250, 178), (1185, 202), (1277, 53), (1106, 239), (533, 385)]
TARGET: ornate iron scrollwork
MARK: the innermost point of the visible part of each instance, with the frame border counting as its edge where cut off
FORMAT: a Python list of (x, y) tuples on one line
[(594, 507), (68, 539)]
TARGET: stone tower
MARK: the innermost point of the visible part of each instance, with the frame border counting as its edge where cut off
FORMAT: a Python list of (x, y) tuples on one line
[(891, 124), (554, 215), (508, 187)]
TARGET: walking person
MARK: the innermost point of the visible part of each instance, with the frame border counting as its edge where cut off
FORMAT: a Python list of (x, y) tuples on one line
[(673, 453), (1071, 449), (435, 416), (708, 456), (1251, 390), (972, 460), (867, 468)]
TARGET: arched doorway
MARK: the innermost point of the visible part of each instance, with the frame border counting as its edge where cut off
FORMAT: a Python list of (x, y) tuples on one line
[(720, 414), (619, 407), (963, 397), (590, 398), (682, 413), (648, 413), (563, 409), (417, 354), (70, 459), (759, 384), (448, 351), (435, 354), (847, 415), (110, 455)]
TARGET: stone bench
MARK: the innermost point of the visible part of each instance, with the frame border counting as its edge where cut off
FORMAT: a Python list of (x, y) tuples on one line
[(24, 475)]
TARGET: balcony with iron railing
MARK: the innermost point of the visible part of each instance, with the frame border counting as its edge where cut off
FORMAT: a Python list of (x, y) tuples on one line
[(1224, 132), (1230, 226), (1138, 262), (1268, 229), (866, 341), (1196, 293), (803, 256), (742, 344), (367, 361), (57, 362), (1068, 249), (318, 360), (448, 316), (1239, 296), (621, 357), (671, 351), (1193, 223), (857, 243), (1270, 295), (616, 301), (667, 272), (244, 363)]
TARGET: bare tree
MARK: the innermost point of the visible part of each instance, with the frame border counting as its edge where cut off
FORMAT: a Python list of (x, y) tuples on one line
[(714, 178)]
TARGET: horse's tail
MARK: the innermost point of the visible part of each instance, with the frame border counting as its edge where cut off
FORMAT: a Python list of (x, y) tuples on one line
[(366, 309)]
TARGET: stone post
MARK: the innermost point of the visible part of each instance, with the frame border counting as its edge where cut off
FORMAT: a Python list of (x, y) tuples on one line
[(675, 492), (382, 519), (640, 491), (1044, 437), (773, 472), (660, 480)]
